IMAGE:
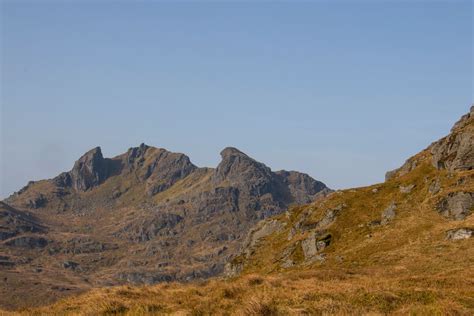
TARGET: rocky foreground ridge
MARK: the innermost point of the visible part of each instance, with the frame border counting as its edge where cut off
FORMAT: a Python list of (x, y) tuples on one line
[(423, 206), (146, 216)]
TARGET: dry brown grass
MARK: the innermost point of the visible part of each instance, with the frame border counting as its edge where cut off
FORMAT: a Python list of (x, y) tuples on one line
[(311, 292)]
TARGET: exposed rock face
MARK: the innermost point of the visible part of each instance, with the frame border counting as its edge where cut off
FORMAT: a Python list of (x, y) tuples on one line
[(456, 151), (314, 244), (158, 167), (302, 187), (460, 233), (145, 230), (237, 167), (89, 171), (456, 206)]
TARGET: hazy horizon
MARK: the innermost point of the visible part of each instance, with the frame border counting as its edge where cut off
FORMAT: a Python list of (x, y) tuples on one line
[(343, 93)]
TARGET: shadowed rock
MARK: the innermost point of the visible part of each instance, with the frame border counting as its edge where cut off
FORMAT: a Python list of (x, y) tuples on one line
[(456, 151), (456, 206), (89, 171)]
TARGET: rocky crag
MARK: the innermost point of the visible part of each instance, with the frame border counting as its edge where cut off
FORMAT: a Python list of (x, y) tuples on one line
[(146, 216), (424, 206)]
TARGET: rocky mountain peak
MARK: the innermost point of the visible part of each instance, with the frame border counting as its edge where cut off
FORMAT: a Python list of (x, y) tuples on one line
[(135, 153), (237, 167), (230, 152), (89, 171)]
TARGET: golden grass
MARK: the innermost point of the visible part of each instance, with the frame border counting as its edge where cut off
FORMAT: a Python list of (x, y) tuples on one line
[(311, 292)]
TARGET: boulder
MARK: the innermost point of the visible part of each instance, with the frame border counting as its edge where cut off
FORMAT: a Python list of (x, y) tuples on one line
[(460, 233), (457, 205), (314, 244)]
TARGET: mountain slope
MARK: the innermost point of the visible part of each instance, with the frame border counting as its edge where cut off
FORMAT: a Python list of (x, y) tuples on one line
[(145, 216), (399, 247)]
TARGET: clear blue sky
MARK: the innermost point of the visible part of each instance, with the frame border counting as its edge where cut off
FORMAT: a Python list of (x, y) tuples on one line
[(343, 91)]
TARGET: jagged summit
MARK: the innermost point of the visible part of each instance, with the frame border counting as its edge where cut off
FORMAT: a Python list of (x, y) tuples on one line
[(237, 167), (90, 170), (231, 151)]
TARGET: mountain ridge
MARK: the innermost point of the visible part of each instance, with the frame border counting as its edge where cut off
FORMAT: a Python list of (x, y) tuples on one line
[(147, 215)]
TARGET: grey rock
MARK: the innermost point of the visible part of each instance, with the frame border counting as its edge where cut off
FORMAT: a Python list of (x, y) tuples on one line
[(14, 222), (456, 151), (89, 171), (166, 169), (406, 189), (233, 269), (328, 218), (407, 167), (161, 224), (30, 242), (456, 206), (71, 265), (388, 214), (460, 233), (314, 244), (303, 188), (37, 202), (261, 230), (435, 187)]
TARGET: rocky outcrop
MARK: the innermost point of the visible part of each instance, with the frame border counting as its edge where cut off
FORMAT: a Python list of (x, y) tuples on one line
[(14, 222), (27, 242), (314, 244), (262, 230), (457, 205), (303, 188), (88, 172), (238, 169), (407, 167), (388, 214), (71, 265), (460, 233), (157, 167), (456, 151), (149, 228)]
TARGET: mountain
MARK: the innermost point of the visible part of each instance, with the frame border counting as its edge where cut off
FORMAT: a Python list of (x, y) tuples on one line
[(145, 216), (400, 247)]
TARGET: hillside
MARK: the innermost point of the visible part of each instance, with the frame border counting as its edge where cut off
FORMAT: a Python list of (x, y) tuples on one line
[(398, 247), (143, 217)]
